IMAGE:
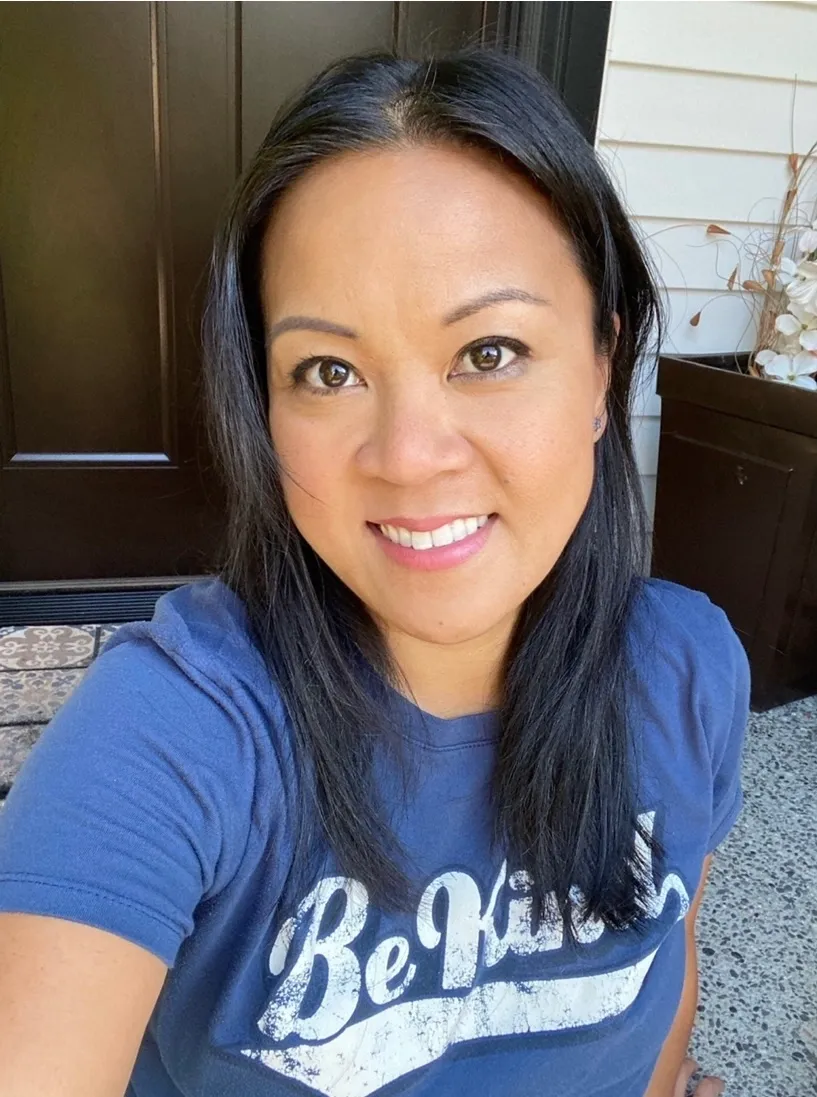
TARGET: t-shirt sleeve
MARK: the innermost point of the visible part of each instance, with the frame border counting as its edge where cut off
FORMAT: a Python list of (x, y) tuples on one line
[(127, 813), (726, 731)]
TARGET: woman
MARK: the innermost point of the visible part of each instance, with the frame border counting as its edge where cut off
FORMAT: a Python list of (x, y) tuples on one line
[(419, 795)]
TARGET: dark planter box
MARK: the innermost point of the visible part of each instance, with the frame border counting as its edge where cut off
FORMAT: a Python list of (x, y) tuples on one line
[(736, 511)]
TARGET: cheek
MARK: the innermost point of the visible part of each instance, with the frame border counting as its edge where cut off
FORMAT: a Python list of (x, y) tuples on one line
[(546, 464), (313, 464)]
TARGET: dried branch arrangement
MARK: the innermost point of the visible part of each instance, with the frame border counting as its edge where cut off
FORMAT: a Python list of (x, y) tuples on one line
[(780, 288)]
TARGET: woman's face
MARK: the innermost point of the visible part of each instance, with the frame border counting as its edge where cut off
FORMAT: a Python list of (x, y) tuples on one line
[(431, 365)]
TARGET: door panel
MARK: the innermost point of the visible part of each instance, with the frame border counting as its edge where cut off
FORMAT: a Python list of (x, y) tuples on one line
[(77, 215), (284, 44), (118, 143)]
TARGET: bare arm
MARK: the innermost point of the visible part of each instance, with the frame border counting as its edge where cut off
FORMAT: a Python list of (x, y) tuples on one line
[(74, 1005), (668, 1079)]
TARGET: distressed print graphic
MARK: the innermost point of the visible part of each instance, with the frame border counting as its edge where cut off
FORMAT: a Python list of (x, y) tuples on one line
[(337, 1057)]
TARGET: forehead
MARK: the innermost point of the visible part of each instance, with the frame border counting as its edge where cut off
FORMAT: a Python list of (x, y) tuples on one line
[(428, 223)]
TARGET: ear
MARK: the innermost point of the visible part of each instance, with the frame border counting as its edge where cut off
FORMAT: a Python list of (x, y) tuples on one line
[(604, 363), (616, 332)]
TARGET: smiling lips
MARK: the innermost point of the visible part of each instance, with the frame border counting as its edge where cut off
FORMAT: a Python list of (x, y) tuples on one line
[(432, 543)]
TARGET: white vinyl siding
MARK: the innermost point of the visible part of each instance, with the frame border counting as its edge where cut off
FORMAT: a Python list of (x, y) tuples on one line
[(695, 126)]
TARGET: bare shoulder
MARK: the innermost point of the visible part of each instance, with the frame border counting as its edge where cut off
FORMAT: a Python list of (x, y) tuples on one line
[(91, 991)]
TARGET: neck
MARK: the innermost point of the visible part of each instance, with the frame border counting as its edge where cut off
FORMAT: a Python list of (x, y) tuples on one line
[(450, 680)]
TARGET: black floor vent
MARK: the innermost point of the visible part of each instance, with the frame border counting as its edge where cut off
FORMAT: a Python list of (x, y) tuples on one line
[(78, 607)]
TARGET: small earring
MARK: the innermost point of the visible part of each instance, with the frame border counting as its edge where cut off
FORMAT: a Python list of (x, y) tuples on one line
[(597, 423)]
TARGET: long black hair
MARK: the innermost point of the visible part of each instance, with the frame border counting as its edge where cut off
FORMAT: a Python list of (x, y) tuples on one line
[(564, 787)]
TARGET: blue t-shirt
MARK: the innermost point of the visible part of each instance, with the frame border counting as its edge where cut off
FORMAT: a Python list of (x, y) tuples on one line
[(159, 804)]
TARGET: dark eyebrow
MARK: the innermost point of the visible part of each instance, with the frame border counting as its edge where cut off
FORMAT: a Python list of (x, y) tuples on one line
[(492, 298), (314, 323), (308, 323)]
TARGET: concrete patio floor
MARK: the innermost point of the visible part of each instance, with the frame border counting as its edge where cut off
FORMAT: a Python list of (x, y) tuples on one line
[(757, 935)]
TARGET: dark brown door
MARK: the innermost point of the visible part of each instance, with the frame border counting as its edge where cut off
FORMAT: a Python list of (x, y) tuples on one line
[(122, 129), (117, 149)]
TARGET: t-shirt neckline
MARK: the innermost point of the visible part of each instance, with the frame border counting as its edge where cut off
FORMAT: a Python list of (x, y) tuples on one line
[(442, 732)]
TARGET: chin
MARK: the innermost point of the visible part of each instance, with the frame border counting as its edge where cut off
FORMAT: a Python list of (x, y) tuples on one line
[(438, 627)]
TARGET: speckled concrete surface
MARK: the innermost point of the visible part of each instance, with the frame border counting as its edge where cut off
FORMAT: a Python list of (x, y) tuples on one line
[(757, 926)]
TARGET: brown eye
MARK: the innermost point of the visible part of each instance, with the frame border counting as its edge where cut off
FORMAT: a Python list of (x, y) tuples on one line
[(325, 375), (486, 357), (499, 355), (333, 374)]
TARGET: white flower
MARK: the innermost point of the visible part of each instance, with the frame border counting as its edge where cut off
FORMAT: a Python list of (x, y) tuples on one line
[(808, 241), (786, 270), (802, 288), (805, 318), (808, 340), (787, 324), (791, 370)]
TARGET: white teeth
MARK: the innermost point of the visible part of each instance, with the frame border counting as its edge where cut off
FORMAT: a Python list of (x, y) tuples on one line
[(442, 536), (457, 530), (422, 540)]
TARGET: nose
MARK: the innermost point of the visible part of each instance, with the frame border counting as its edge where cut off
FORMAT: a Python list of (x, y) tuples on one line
[(414, 436)]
